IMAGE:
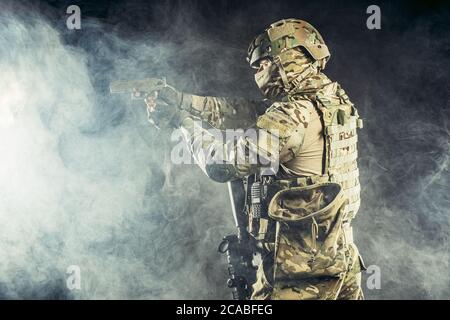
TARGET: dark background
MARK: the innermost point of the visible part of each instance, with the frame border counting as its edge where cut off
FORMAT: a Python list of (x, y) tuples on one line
[(397, 77)]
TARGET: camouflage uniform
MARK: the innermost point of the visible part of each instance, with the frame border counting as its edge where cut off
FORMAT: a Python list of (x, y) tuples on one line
[(312, 199)]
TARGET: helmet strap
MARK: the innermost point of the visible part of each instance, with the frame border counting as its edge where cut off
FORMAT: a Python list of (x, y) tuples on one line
[(283, 75), (312, 68)]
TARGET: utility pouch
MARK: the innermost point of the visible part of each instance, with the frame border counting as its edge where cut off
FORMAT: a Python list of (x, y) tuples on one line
[(310, 239)]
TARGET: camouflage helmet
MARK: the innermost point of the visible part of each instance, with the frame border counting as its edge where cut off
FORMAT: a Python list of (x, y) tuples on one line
[(284, 35)]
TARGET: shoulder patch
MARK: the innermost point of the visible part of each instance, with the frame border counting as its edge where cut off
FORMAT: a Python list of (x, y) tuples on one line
[(284, 117)]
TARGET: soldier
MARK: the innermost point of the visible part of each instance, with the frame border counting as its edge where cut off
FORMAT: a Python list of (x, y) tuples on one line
[(305, 224)]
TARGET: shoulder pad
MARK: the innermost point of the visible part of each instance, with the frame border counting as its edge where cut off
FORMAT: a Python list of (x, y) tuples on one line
[(285, 117)]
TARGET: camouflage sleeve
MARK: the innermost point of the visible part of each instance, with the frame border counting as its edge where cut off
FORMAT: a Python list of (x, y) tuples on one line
[(223, 113), (231, 154)]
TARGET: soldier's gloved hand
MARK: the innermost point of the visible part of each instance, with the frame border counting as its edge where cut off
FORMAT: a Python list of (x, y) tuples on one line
[(171, 96), (169, 113)]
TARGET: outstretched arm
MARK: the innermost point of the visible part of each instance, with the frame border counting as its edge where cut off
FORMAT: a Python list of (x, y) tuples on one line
[(273, 138), (220, 112), (223, 113)]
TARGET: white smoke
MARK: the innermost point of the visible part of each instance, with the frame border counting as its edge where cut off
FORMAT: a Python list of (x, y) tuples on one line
[(71, 194), (85, 181)]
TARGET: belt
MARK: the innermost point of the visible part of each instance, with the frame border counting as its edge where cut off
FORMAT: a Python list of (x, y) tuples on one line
[(297, 181)]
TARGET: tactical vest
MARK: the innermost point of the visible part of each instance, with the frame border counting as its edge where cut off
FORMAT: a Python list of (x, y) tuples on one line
[(340, 120), (313, 236)]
